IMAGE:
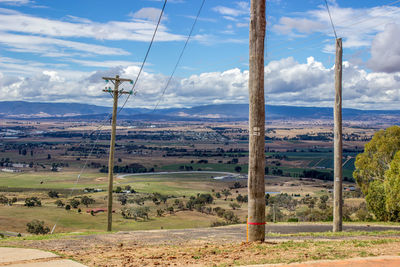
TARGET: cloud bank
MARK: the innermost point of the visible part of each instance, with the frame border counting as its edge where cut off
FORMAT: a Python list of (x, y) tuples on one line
[(287, 82)]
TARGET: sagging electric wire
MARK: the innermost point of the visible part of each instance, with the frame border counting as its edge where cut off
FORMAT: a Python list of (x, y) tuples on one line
[(145, 57), (180, 56)]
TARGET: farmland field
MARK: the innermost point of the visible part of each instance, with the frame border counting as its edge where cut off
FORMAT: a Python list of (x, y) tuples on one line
[(164, 174)]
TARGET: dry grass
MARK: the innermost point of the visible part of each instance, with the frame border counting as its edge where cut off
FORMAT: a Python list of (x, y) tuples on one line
[(232, 254)]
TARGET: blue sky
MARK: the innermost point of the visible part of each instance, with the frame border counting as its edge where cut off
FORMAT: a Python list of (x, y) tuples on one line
[(57, 51)]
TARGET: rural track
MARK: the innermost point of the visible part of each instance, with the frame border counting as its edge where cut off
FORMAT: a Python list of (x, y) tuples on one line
[(218, 235), (114, 246), (122, 176)]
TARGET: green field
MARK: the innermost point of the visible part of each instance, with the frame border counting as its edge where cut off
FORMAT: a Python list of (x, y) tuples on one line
[(45, 180), (208, 167)]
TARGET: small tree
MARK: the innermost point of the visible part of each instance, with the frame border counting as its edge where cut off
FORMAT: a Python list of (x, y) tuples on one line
[(74, 203), (123, 199), (87, 201), (234, 205), (226, 192), (322, 202), (59, 203), (32, 202), (37, 227), (376, 200), (67, 207), (12, 201), (118, 189), (3, 199), (128, 188), (160, 212), (53, 194), (238, 169), (170, 210)]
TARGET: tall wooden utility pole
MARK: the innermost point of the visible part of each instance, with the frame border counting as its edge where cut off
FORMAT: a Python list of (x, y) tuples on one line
[(256, 184), (115, 93), (338, 142)]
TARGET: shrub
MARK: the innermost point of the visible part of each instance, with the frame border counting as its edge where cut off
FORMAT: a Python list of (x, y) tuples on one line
[(53, 194), (218, 223), (32, 202), (160, 212), (234, 205), (74, 203), (87, 201), (3, 199), (37, 227), (123, 199), (59, 203), (362, 214), (376, 200), (230, 217), (135, 213)]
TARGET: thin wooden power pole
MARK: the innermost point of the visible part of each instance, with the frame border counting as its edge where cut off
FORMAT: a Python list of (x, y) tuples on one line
[(256, 184), (115, 93), (338, 141)]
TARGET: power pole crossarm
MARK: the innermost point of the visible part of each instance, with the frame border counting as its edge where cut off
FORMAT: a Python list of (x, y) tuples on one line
[(115, 93), (115, 78)]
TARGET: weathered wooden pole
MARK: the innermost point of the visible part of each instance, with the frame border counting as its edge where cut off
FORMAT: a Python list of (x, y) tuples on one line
[(256, 184), (115, 93), (338, 141)]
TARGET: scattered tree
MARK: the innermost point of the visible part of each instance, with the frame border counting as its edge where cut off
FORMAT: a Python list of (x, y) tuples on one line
[(118, 189), (123, 199), (3, 199), (85, 200), (234, 205), (53, 194), (32, 202), (74, 203), (59, 203), (37, 227)]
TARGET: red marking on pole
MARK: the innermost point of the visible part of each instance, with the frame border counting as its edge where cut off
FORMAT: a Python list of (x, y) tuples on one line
[(253, 223)]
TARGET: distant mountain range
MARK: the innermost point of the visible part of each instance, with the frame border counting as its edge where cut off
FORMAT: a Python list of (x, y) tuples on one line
[(221, 112)]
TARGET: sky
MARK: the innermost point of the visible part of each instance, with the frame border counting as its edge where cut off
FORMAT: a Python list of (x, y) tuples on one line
[(58, 51)]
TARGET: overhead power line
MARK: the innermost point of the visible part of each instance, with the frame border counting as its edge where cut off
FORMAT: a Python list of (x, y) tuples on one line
[(147, 54), (180, 56), (330, 17)]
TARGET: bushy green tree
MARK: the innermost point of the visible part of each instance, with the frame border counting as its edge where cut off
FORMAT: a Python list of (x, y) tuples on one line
[(85, 200), (37, 227), (32, 202), (59, 203), (376, 200), (392, 189), (74, 203), (135, 213), (372, 164), (378, 174), (53, 194), (3, 199)]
